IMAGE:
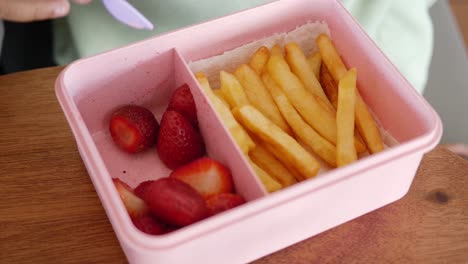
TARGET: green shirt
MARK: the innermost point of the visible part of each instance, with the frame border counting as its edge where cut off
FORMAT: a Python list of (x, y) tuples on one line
[(401, 28)]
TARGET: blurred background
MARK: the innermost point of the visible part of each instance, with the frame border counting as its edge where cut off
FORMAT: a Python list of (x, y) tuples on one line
[(27, 46), (447, 88)]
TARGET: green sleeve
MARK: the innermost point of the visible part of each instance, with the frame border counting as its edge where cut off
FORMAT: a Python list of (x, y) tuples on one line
[(401, 28)]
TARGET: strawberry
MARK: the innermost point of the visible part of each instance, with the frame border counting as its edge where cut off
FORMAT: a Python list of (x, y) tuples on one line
[(134, 128), (175, 202), (135, 206), (222, 202), (178, 142), (140, 190), (182, 102), (207, 176), (149, 225)]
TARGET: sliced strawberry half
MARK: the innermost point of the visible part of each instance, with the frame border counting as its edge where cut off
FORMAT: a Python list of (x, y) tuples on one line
[(149, 225), (140, 190), (134, 128), (208, 176), (135, 206), (182, 102), (222, 202), (175, 202), (178, 141)]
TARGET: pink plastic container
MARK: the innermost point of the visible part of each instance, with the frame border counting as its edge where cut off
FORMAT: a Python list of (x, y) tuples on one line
[(145, 73)]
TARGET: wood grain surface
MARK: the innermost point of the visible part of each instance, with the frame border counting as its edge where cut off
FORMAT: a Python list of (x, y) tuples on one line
[(460, 11), (50, 212)]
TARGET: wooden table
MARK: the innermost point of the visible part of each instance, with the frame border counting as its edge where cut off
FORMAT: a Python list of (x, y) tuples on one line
[(50, 213)]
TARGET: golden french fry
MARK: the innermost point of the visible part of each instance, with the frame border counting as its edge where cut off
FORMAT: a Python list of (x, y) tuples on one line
[(259, 59), (241, 137), (259, 96), (315, 62), (331, 90), (220, 95), (303, 131), (305, 103), (301, 68), (278, 155), (293, 152), (269, 182), (319, 118), (267, 161), (346, 152), (232, 90), (331, 58), (367, 127), (364, 119), (276, 50), (329, 85)]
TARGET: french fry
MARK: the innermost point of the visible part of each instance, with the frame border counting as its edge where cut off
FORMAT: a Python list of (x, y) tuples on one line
[(220, 95), (276, 50), (278, 155), (259, 96), (232, 90), (259, 59), (329, 85), (346, 152), (293, 152), (241, 137), (267, 161), (301, 68), (315, 62), (303, 131), (270, 184), (331, 90), (364, 119), (319, 118)]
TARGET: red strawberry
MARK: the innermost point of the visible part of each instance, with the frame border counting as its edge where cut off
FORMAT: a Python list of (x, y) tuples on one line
[(140, 190), (135, 206), (207, 176), (175, 202), (182, 102), (149, 225), (134, 128), (222, 202), (178, 142)]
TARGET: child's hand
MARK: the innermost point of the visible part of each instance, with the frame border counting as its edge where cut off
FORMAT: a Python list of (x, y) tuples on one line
[(32, 10)]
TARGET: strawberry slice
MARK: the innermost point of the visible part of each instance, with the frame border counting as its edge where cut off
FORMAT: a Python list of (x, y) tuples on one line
[(140, 190), (175, 202), (134, 128), (222, 202), (149, 225), (206, 175), (178, 141), (182, 102), (135, 206)]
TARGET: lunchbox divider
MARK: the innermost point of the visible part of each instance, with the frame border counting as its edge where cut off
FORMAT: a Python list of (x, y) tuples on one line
[(219, 143)]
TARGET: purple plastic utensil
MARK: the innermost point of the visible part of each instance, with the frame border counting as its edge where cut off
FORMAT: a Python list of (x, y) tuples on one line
[(127, 14)]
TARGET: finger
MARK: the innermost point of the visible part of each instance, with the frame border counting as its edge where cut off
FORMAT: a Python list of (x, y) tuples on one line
[(27, 10)]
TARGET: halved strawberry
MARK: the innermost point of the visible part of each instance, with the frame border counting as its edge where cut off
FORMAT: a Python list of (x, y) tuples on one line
[(175, 202), (134, 128), (135, 206), (182, 102), (141, 189), (149, 225), (222, 202), (178, 141), (206, 175)]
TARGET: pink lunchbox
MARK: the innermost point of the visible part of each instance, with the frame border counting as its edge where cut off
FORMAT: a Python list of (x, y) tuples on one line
[(146, 73)]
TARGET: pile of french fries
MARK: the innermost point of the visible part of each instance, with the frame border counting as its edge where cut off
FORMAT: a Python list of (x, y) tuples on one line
[(285, 111)]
